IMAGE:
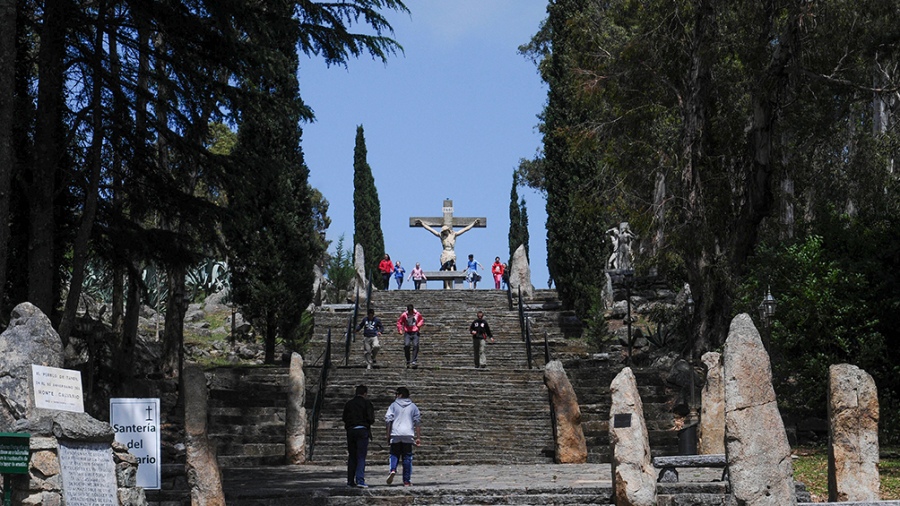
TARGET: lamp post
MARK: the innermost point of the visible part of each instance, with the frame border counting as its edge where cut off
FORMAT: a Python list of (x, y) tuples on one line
[(767, 314), (687, 436), (629, 278)]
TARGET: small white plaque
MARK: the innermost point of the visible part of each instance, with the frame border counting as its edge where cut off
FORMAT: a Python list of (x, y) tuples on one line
[(448, 210), (136, 424), (56, 388)]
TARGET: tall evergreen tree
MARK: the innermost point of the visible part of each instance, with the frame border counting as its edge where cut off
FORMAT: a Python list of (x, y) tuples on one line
[(366, 207), (518, 221)]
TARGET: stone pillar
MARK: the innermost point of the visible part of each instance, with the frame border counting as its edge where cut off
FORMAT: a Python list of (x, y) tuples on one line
[(634, 479), (295, 417), (571, 447), (359, 279), (712, 407), (852, 435), (759, 457), (202, 468), (520, 274)]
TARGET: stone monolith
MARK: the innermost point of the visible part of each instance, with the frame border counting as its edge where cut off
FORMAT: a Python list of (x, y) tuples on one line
[(571, 447), (634, 479), (202, 468), (759, 457), (520, 274), (712, 407), (295, 417), (853, 415), (29, 339)]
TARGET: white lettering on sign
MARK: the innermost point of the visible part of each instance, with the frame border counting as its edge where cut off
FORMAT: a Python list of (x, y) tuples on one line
[(56, 388), (136, 425)]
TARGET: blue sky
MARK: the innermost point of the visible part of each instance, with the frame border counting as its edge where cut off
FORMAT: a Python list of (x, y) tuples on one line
[(449, 118)]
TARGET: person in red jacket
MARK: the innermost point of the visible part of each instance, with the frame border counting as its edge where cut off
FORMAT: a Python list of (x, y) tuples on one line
[(386, 267), (409, 324), (497, 269)]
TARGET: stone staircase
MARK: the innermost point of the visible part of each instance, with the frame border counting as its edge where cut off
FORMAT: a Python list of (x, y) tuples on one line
[(591, 378), (496, 415)]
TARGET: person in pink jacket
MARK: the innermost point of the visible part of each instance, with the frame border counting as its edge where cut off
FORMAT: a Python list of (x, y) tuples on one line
[(409, 324), (417, 275)]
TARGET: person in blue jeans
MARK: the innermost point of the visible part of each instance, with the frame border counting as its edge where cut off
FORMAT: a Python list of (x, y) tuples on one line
[(403, 421), (358, 417)]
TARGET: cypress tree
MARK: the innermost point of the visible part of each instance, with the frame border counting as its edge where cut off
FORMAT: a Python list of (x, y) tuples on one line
[(518, 222), (366, 207)]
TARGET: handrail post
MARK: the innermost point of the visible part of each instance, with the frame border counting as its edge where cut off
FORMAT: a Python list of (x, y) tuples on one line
[(521, 314), (546, 350), (509, 295)]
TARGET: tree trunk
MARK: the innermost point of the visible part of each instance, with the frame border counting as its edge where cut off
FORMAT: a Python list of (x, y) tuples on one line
[(130, 329), (271, 334), (95, 157), (7, 108), (47, 155), (173, 335)]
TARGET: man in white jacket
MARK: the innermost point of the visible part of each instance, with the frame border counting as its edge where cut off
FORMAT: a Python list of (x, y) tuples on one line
[(403, 431)]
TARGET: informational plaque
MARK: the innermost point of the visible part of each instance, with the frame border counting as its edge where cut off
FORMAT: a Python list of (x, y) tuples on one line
[(621, 421), (56, 388), (88, 474), (14, 452), (136, 424)]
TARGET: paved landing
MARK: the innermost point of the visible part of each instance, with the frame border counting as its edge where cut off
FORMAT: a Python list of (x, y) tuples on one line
[(310, 477)]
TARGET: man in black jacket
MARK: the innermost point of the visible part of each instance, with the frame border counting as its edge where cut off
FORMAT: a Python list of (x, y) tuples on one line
[(481, 332), (359, 414)]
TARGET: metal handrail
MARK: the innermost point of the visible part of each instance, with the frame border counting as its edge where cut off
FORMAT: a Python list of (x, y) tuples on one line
[(528, 340), (351, 324), (320, 397), (546, 350)]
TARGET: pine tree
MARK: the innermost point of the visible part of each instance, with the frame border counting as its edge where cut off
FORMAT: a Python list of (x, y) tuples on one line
[(366, 207)]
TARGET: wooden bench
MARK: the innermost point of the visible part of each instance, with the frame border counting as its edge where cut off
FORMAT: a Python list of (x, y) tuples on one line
[(670, 465), (448, 277)]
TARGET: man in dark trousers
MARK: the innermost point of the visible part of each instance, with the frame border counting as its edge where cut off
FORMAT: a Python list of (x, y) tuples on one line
[(359, 414), (372, 328), (481, 332)]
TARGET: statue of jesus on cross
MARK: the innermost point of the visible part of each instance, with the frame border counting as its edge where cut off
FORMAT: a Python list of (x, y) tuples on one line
[(446, 234)]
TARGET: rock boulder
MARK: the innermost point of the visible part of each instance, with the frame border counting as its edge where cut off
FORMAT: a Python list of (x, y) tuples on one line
[(852, 435), (571, 447), (29, 339), (759, 457), (634, 479)]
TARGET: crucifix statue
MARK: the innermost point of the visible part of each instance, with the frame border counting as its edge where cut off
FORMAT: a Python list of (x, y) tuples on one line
[(446, 234)]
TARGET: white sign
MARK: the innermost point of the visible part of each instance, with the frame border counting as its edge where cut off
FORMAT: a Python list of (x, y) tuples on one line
[(136, 424), (56, 388)]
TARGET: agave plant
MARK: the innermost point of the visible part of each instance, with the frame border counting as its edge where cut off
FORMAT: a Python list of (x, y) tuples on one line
[(211, 276)]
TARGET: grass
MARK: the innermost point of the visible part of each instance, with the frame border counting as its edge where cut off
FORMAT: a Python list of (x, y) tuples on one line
[(811, 467)]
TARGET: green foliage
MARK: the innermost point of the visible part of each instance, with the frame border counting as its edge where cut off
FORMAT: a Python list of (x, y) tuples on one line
[(826, 315), (209, 277), (339, 270), (518, 221), (366, 208)]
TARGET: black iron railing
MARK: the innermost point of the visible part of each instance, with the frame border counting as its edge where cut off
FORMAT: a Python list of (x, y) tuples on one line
[(320, 396)]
